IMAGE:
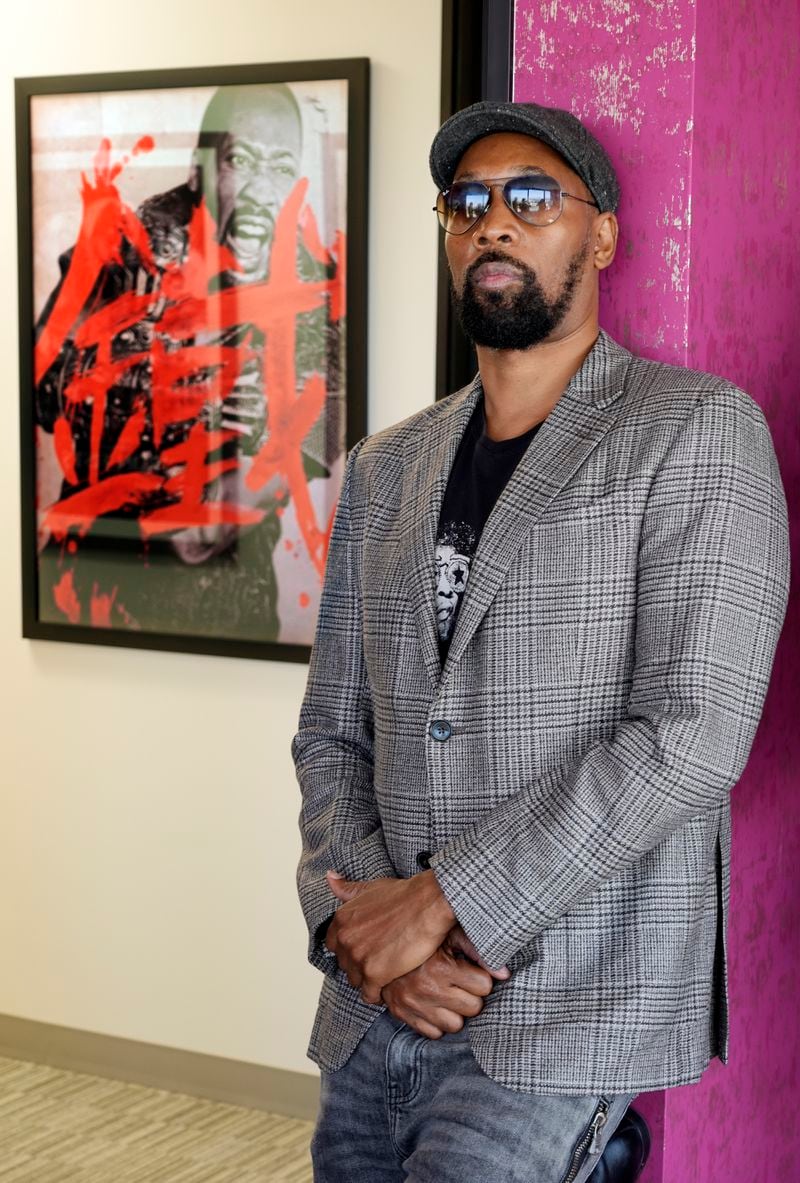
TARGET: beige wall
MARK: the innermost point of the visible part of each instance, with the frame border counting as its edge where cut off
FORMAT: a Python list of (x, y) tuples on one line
[(148, 834)]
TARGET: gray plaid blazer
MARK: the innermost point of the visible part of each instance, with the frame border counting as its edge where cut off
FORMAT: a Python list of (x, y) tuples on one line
[(603, 687)]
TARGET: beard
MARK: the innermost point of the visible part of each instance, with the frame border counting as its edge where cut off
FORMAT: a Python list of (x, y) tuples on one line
[(519, 319)]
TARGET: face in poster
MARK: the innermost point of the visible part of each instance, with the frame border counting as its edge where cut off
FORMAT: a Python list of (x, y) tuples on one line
[(189, 365)]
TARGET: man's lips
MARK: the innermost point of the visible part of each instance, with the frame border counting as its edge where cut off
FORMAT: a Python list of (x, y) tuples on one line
[(496, 275), (247, 231), (247, 227)]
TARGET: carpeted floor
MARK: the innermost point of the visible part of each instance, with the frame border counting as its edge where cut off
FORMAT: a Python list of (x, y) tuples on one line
[(65, 1127)]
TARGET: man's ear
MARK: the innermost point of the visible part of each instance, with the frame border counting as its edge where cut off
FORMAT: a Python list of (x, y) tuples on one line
[(606, 230)]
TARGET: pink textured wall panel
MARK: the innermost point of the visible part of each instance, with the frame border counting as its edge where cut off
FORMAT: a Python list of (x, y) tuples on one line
[(698, 103), (744, 322), (626, 68)]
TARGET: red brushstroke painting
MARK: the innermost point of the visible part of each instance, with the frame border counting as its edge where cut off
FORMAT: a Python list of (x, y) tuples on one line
[(100, 607), (66, 597), (179, 488)]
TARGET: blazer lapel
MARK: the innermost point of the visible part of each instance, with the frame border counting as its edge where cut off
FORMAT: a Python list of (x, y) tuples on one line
[(568, 435), (428, 459)]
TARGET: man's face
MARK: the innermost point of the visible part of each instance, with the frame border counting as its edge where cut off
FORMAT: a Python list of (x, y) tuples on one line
[(257, 164), (514, 284)]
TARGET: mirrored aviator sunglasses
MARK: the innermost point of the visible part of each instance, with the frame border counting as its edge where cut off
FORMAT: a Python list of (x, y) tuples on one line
[(534, 197)]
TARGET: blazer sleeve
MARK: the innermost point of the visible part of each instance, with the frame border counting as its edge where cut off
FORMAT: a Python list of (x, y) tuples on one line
[(712, 585), (333, 748)]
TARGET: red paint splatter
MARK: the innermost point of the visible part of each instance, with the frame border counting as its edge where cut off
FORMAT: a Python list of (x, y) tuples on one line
[(186, 377), (311, 239), (129, 620), (66, 598), (65, 448), (304, 599), (106, 220), (190, 509), (211, 374), (288, 544), (116, 492), (205, 259), (100, 606), (129, 438)]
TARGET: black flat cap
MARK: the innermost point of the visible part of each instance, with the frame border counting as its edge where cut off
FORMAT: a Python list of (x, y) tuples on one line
[(561, 130)]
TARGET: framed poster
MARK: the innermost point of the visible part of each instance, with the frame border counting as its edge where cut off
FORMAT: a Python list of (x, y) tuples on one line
[(192, 250)]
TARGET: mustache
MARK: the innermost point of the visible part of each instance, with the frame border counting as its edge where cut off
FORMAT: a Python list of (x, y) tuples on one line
[(259, 213), (495, 256)]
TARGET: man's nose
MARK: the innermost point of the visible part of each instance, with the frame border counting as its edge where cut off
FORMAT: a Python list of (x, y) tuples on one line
[(498, 224), (261, 189)]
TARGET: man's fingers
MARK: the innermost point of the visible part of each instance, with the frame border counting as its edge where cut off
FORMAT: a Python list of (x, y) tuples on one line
[(449, 1020), (449, 997), (371, 993), (471, 978), (440, 1018), (464, 1003), (431, 1022), (458, 939), (421, 1026), (426, 1029), (353, 977)]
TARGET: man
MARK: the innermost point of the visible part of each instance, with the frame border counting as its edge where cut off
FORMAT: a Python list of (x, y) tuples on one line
[(516, 827), (189, 381), (247, 160)]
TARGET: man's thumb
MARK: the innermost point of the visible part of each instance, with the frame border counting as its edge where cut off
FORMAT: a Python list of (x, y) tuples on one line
[(342, 888)]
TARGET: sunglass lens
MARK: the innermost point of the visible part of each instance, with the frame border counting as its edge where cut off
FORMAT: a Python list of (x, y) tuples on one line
[(462, 205), (535, 199)]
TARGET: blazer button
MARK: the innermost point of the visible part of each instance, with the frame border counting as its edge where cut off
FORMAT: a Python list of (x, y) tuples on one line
[(424, 859), (440, 729)]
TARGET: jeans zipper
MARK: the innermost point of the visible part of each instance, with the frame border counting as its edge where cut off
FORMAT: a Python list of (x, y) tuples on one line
[(590, 1142)]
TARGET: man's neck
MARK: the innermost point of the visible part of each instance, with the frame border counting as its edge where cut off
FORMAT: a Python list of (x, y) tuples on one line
[(521, 386)]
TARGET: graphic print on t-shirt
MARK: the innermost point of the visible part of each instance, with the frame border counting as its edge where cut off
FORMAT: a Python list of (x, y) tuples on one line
[(481, 469), (455, 548)]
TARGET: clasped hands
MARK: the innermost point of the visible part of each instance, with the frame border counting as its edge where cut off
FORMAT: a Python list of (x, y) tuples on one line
[(399, 943)]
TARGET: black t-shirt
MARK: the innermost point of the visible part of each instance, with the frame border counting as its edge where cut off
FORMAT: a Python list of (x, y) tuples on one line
[(479, 474)]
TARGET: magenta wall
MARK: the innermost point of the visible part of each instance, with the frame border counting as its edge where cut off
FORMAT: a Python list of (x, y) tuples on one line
[(698, 103)]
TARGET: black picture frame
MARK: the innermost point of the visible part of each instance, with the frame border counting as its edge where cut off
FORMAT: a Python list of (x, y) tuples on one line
[(249, 243), (477, 48)]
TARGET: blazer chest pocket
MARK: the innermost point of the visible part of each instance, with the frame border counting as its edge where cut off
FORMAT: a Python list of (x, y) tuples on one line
[(590, 541), (582, 502)]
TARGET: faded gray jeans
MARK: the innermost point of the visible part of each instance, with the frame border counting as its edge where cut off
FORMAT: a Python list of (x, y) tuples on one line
[(406, 1109)]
